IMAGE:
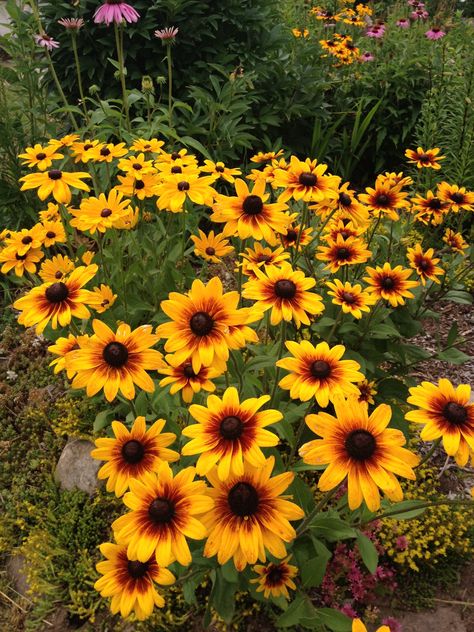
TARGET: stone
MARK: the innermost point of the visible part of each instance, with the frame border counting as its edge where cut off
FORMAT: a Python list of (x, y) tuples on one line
[(439, 620), (76, 469), (15, 568)]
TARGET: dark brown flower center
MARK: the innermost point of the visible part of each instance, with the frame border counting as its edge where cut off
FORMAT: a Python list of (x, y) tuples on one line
[(133, 451), (210, 251), (146, 147), (285, 289), (105, 151), (57, 292), (307, 179), (161, 511), (231, 427), (220, 169), (20, 257), (360, 445), (343, 253), (183, 186), (139, 184), (344, 199), (292, 235), (175, 155), (243, 499), (457, 198), (424, 157), (188, 371), (55, 174), (105, 212), (137, 569), (387, 283), (88, 146), (274, 576), (348, 297), (320, 369), (252, 205), (115, 354), (58, 275), (40, 156), (27, 240), (424, 264), (382, 200), (176, 169), (50, 234), (137, 166), (264, 258), (201, 324), (435, 204), (455, 413)]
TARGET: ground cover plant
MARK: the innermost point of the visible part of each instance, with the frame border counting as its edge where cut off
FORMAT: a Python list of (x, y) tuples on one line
[(239, 339)]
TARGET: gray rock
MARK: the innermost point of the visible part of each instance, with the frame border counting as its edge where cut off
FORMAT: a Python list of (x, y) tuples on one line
[(76, 469), (15, 568), (440, 620)]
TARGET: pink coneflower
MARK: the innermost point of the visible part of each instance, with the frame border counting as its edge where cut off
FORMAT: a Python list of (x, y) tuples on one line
[(435, 33), (403, 23), (46, 41), (377, 30), (71, 24), (416, 3), (419, 14), (115, 11), (167, 35), (366, 57)]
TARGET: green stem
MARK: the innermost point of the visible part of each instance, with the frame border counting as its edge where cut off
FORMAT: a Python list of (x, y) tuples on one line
[(59, 89), (298, 436), (322, 503), (237, 372), (79, 77), (436, 503), (430, 452), (280, 353), (119, 45), (170, 87), (334, 327)]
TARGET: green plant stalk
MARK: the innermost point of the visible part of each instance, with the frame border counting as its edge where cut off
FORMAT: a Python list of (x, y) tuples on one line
[(59, 89), (322, 503), (280, 353), (170, 86), (298, 435), (119, 46), (237, 372), (426, 505), (79, 77), (430, 452)]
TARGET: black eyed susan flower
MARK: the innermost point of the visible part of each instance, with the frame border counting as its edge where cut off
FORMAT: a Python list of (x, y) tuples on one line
[(65, 141), (249, 215), (177, 188), (151, 146), (115, 361), (300, 32), (143, 187), (259, 257), (431, 210), (61, 348), (163, 516), (211, 247), (446, 412), (424, 263), (57, 303), (285, 292), (230, 432), (101, 213), (296, 234), (11, 260), (82, 150), (385, 198), (132, 453), (26, 239), (267, 174), (395, 178), (275, 578), (130, 583), (137, 166), (266, 156), (102, 298), (306, 180), (250, 516), (51, 214), (220, 170), (360, 448), (390, 284), (345, 228), (343, 252), (457, 197), (54, 233), (367, 391), (167, 169), (40, 157), (344, 206), (352, 298), (318, 372), (56, 268), (422, 158), (181, 377), (455, 241), (181, 157), (56, 183), (199, 330)]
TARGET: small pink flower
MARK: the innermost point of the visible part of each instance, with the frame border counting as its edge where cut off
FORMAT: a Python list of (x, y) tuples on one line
[(46, 41), (366, 57), (416, 3), (403, 23), (434, 33), (401, 543), (167, 35), (71, 24), (377, 30), (115, 11), (419, 14)]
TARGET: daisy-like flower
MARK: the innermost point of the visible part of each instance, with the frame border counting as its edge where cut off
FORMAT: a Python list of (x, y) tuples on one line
[(455, 241), (40, 157), (56, 303), (377, 31), (318, 372), (457, 197), (367, 391), (71, 24), (390, 284), (211, 247), (151, 146), (360, 448), (51, 213), (249, 215), (385, 198), (345, 207), (446, 413), (352, 298), (345, 228), (365, 57), (26, 239), (115, 11), (102, 298), (266, 156), (424, 263), (107, 152), (167, 169), (229, 433), (54, 233), (358, 626), (300, 32), (56, 268), (179, 157), (163, 516), (200, 326), (275, 578), (181, 377), (434, 33), (11, 260), (220, 170), (177, 188), (56, 183), (137, 165), (250, 516), (116, 361), (45, 41), (431, 210), (65, 141), (260, 257), (403, 23), (130, 583), (305, 180), (343, 252), (132, 453), (294, 235), (102, 213), (422, 158), (142, 187), (167, 35), (61, 348), (82, 151), (285, 292)]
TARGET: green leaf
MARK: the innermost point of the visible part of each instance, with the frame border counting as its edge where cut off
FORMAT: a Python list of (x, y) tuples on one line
[(368, 552), (452, 335), (454, 356), (300, 608), (335, 620), (314, 569), (102, 419), (222, 597), (383, 331), (458, 296), (406, 510), (392, 388), (331, 528)]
